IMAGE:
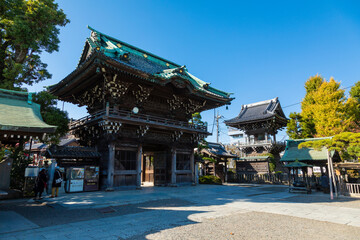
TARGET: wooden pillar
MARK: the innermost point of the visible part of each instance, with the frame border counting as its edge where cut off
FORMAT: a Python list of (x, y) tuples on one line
[(226, 175), (214, 169), (110, 171), (197, 173), (173, 166), (192, 167), (138, 166), (330, 175)]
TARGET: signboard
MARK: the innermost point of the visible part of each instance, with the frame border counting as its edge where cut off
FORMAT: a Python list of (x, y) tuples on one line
[(76, 185), (31, 171)]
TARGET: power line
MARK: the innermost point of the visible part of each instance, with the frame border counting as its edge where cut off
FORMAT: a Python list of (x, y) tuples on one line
[(291, 105), (300, 102)]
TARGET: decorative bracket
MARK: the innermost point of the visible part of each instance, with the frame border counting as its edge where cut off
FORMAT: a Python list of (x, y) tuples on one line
[(197, 137), (177, 135), (142, 130), (110, 126)]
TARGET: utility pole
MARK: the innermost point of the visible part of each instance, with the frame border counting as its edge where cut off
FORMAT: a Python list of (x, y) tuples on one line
[(217, 117)]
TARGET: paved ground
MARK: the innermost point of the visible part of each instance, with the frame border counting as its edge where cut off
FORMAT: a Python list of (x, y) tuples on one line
[(193, 212)]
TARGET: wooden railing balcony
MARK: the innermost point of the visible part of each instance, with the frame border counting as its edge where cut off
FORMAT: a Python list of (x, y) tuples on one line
[(255, 143), (139, 119)]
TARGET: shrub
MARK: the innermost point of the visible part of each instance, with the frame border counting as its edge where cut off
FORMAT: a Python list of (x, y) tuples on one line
[(210, 179)]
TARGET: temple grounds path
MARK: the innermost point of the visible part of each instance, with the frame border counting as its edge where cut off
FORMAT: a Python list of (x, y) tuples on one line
[(233, 211)]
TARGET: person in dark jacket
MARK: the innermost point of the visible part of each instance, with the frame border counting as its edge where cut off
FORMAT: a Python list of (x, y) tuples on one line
[(40, 183), (56, 182)]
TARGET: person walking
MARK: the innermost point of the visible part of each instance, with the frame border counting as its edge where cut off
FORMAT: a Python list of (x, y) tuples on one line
[(40, 183), (56, 183), (324, 182)]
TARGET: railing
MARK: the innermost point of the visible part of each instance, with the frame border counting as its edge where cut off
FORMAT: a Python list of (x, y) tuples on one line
[(353, 189), (252, 141), (258, 178), (275, 178), (140, 118)]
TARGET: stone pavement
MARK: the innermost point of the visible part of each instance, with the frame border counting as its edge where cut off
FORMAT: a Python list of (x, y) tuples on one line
[(125, 214)]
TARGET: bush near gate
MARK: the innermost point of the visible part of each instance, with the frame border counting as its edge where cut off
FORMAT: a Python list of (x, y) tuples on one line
[(210, 179)]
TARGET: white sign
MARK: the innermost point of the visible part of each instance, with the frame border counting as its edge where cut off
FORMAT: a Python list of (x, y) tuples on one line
[(31, 172), (76, 185)]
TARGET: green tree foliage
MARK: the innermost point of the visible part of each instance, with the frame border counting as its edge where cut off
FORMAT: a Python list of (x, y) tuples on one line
[(196, 119), (325, 111), (209, 179), (27, 27), (346, 143), (355, 91), (20, 162), (355, 95), (294, 127), (52, 115)]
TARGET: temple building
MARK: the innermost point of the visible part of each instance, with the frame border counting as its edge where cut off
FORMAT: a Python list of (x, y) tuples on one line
[(139, 108), (260, 122)]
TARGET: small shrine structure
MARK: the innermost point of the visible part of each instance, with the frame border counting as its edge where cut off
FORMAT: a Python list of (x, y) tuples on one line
[(20, 121), (309, 155), (260, 122), (217, 152), (139, 108)]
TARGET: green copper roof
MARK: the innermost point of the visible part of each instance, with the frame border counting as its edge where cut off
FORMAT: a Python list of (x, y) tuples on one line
[(19, 113), (293, 153), (158, 68)]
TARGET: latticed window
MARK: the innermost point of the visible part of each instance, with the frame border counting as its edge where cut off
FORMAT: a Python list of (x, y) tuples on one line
[(182, 161), (125, 160)]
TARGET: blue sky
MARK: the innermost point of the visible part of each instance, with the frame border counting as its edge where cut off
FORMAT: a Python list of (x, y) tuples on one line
[(257, 50)]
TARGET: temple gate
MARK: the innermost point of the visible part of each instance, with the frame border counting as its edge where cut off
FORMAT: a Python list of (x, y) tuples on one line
[(139, 110)]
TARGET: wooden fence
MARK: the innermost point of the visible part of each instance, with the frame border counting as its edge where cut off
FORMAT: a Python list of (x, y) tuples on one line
[(272, 178), (258, 178)]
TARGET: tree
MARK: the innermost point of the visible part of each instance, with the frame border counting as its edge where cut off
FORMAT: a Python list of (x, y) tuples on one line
[(294, 129), (52, 115), (27, 27), (355, 95), (346, 143), (355, 91), (325, 110), (196, 119)]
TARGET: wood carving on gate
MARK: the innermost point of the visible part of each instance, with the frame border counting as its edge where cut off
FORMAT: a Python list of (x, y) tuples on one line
[(116, 89), (175, 103), (142, 93), (193, 106)]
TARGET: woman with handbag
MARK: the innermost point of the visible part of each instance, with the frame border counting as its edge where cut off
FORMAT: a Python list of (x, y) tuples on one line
[(56, 182)]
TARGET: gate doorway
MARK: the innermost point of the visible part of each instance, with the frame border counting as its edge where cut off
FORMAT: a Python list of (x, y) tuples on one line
[(162, 168), (148, 169)]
